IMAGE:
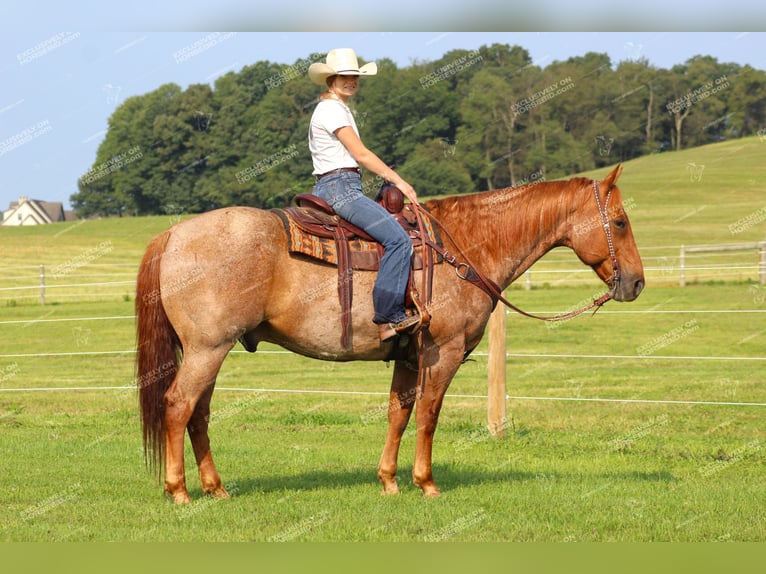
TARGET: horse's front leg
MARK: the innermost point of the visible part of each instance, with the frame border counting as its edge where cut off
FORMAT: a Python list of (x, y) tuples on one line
[(400, 403), (439, 372)]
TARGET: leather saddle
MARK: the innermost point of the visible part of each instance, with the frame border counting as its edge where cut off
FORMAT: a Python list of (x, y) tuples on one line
[(320, 218), (314, 229)]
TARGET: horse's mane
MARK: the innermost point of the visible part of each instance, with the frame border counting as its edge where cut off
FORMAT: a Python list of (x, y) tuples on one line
[(525, 211)]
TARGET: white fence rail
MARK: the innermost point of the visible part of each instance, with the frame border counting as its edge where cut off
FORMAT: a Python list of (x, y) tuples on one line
[(759, 248), (663, 265), (37, 283), (669, 265)]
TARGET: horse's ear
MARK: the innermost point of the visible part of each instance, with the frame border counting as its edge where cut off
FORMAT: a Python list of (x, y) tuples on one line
[(611, 179)]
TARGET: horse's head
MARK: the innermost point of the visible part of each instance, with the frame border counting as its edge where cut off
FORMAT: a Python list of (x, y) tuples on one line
[(601, 236)]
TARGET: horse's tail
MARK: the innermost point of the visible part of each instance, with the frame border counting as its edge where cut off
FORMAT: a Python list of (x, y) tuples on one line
[(157, 353)]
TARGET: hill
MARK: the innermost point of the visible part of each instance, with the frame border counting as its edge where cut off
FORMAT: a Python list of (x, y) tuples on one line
[(707, 195), (697, 196)]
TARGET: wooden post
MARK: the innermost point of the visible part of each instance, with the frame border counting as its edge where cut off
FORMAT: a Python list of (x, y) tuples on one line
[(496, 372), (762, 263), (681, 264)]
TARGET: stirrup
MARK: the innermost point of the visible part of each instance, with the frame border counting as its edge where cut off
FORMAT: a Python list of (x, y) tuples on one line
[(425, 316), (408, 326)]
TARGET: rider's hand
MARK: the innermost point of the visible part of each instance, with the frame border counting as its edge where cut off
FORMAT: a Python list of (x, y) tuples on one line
[(408, 191)]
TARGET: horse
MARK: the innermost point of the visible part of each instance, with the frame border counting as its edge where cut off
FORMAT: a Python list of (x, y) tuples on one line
[(226, 276)]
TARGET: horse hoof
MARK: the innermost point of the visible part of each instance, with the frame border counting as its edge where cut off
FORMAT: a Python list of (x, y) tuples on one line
[(390, 490), (179, 497), (429, 490), (219, 492)]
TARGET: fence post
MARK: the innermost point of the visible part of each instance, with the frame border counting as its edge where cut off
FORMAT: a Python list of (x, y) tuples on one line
[(42, 284), (528, 280), (762, 263), (496, 392), (681, 264)]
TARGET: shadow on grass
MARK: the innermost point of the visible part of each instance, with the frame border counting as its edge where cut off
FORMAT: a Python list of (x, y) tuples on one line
[(447, 477)]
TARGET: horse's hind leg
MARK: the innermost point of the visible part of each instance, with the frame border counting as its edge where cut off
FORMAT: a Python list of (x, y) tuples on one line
[(401, 401), (195, 378), (197, 427)]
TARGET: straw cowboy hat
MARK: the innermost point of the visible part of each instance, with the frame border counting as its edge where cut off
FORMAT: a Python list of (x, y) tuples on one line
[(343, 62)]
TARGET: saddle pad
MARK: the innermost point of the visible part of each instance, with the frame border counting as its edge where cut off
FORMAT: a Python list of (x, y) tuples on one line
[(365, 255)]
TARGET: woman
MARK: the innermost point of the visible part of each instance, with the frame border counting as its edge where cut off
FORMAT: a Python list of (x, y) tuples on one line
[(337, 151)]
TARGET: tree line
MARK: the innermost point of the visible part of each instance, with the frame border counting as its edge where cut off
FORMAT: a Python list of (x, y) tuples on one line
[(470, 121)]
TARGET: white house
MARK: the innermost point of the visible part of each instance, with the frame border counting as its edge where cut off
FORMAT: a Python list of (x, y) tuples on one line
[(35, 212)]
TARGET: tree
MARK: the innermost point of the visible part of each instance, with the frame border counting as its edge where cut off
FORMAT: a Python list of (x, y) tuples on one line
[(746, 101), (492, 113), (433, 168), (489, 126), (399, 109), (471, 120), (636, 107), (695, 92), (127, 167)]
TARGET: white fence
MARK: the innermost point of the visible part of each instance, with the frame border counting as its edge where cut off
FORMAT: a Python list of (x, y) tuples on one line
[(668, 265), (759, 248), (130, 385), (671, 265), (38, 283)]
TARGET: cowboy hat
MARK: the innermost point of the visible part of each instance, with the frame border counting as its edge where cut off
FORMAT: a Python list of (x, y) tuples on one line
[(343, 62)]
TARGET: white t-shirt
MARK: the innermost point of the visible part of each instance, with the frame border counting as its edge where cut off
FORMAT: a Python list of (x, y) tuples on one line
[(327, 151)]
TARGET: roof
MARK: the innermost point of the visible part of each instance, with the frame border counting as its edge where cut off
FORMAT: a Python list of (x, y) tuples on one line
[(39, 211)]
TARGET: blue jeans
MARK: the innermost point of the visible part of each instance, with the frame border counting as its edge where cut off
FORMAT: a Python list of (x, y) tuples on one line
[(343, 191)]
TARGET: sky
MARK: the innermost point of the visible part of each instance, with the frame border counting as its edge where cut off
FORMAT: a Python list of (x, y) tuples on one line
[(59, 89)]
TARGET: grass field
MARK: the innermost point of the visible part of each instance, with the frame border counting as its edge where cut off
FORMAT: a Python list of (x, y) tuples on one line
[(680, 459), (302, 466)]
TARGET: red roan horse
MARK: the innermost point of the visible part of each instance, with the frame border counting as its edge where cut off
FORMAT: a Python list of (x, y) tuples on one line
[(226, 275)]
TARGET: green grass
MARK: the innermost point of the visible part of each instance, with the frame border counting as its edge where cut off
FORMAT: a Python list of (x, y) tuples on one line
[(301, 466)]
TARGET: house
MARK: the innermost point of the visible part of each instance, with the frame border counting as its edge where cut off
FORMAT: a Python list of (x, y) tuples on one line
[(35, 212)]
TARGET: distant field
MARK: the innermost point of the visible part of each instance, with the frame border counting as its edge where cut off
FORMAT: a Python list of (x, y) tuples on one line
[(715, 194), (711, 195), (91, 259), (641, 423)]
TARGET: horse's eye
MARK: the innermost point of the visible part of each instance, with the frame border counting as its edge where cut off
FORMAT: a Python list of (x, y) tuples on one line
[(620, 223)]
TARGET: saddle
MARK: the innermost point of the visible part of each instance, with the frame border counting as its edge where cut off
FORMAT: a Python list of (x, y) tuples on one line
[(315, 230)]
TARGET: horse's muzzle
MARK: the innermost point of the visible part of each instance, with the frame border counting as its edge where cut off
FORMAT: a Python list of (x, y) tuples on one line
[(628, 288)]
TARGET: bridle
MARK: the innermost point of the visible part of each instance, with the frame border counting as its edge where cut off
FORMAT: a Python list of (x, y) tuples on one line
[(604, 215), (467, 270)]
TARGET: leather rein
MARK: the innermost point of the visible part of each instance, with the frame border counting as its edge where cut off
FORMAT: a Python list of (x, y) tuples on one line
[(467, 270)]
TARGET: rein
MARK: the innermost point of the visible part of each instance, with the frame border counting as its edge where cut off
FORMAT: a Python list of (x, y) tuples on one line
[(467, 270)]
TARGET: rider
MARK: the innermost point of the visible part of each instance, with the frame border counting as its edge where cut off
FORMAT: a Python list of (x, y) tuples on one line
[(336, 152)]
